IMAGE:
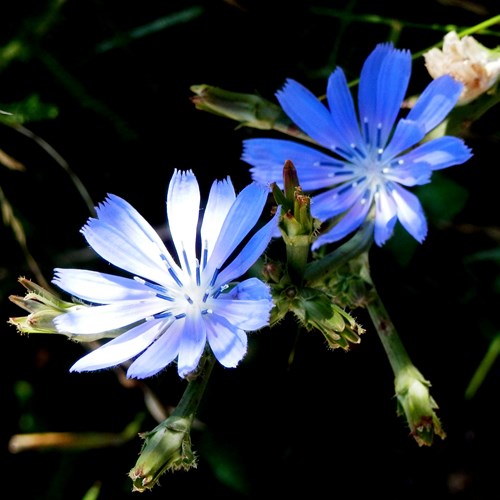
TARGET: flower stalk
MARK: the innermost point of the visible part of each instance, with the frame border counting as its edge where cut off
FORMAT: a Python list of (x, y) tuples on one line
[(168, 445), (414, 400)]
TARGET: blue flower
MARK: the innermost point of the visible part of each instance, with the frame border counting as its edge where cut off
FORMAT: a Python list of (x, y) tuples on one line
[(170, 309), (368, 155)]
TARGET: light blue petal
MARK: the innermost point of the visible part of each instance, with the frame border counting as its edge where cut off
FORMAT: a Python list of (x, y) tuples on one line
[(410, 213), (242, 217), (96, 319), (382, 87), (247, 305), (345, 120), (435, 102), (440, 153), (183, 208), (159, 354), (248, 315), (250, 253), (346, 225), (219, 202), (192, 343), (385, 217), (228, 343), (121, 348), (315, 169), (100, 288), (249, 289), (308, 113), (123, 237)]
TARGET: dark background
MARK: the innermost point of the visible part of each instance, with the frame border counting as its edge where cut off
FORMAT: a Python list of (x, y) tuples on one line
[(123, 121)]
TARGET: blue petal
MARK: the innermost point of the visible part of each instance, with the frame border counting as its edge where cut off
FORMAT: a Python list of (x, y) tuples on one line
[(183, 208), (123, 237), (121, 348), (100, 288), (410, 213), (96, 319), (228, 343), (192, 343), (337, 200), (407, 134), (220, 199), (346, 225), (385, 217), (408, 172), (382, 88), (440, 153), (250, 253), (308, 113), (242, 217), (435, 102), (247, 306), (315, 169), (159, 354), (346, 124)]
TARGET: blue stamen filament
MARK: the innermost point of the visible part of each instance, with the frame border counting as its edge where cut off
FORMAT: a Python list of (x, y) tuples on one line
[(184, 256)]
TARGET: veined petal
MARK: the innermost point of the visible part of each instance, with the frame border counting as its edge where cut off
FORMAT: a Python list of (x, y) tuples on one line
[(308, 113), (409, 173), (228, 343), (341, 104), (219, 202), (100, 288), (161, 353), (248, 292), (250, 253), (315, 169), (410, 212), (335, 201), (440, 153), (192, 343), (382, 88), (183, 207), (435, 102), (347, 224), (248, 315), (407, 134), (98, 319), (121, 348), (242, 217), (385, 217), (123, 237)]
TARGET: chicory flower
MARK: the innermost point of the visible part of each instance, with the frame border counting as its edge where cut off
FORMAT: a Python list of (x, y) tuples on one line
[(370, 153), (172, 308)]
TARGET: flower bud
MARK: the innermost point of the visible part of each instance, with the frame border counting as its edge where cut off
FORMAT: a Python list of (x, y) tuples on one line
[(251, 110), (167, 447), (43, 307), (417, 405)]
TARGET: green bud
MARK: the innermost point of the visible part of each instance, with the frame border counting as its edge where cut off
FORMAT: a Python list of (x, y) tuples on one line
[(417, 405), (248, 109), (316, 310), (43, 307), (167, 447)]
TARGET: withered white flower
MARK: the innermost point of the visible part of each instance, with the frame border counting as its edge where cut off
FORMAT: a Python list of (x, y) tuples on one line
[(466, 60)]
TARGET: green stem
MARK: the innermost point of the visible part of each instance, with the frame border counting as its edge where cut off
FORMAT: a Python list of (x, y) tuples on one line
[(318, 270), (190, 400), (394, 348), (483, 368)]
